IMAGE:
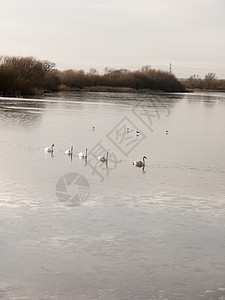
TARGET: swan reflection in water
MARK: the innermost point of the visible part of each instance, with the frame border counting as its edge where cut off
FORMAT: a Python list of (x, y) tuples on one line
[(50, 154)]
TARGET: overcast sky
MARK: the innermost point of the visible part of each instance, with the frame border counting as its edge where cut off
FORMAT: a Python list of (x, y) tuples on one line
[(83, 34)]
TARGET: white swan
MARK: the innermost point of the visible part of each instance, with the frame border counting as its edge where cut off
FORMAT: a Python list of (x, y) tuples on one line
[(103, 158), (83, 154), (139, 163), (49, 149), (69, 151)]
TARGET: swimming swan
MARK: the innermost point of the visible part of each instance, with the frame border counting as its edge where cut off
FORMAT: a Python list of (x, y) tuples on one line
[(69, 151), (140, 163), (103, 158), (49, 149), (83, 154)]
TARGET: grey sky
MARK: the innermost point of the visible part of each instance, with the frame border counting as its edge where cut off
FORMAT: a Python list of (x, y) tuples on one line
[(118, 33)]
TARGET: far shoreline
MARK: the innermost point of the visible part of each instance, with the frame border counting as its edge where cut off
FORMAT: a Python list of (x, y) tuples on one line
[(111, 89), (104, 89), (94, 89)]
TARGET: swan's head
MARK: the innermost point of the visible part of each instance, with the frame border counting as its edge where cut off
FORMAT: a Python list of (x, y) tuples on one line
[(52, 145), (144, 157)]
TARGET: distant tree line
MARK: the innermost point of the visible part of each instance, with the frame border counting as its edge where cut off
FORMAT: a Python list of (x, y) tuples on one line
[(145, 78), (27, 76), (209, 82)]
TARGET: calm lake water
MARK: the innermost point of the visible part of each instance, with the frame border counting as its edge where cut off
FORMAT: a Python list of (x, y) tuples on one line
[(78, 229)]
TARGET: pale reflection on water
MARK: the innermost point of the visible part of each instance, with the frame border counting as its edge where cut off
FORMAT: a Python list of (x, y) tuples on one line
[(157, 234)]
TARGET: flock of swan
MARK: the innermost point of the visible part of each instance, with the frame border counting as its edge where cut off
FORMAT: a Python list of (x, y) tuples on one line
[(102, 158)]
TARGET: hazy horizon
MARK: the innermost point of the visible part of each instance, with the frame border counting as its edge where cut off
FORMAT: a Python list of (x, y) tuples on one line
[(84, 34)]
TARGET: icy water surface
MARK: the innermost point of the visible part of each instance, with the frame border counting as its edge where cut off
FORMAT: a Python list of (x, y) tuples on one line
[(76, 228)]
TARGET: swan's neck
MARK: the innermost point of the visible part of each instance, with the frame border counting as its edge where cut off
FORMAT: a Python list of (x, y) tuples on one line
[(143, 159)]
